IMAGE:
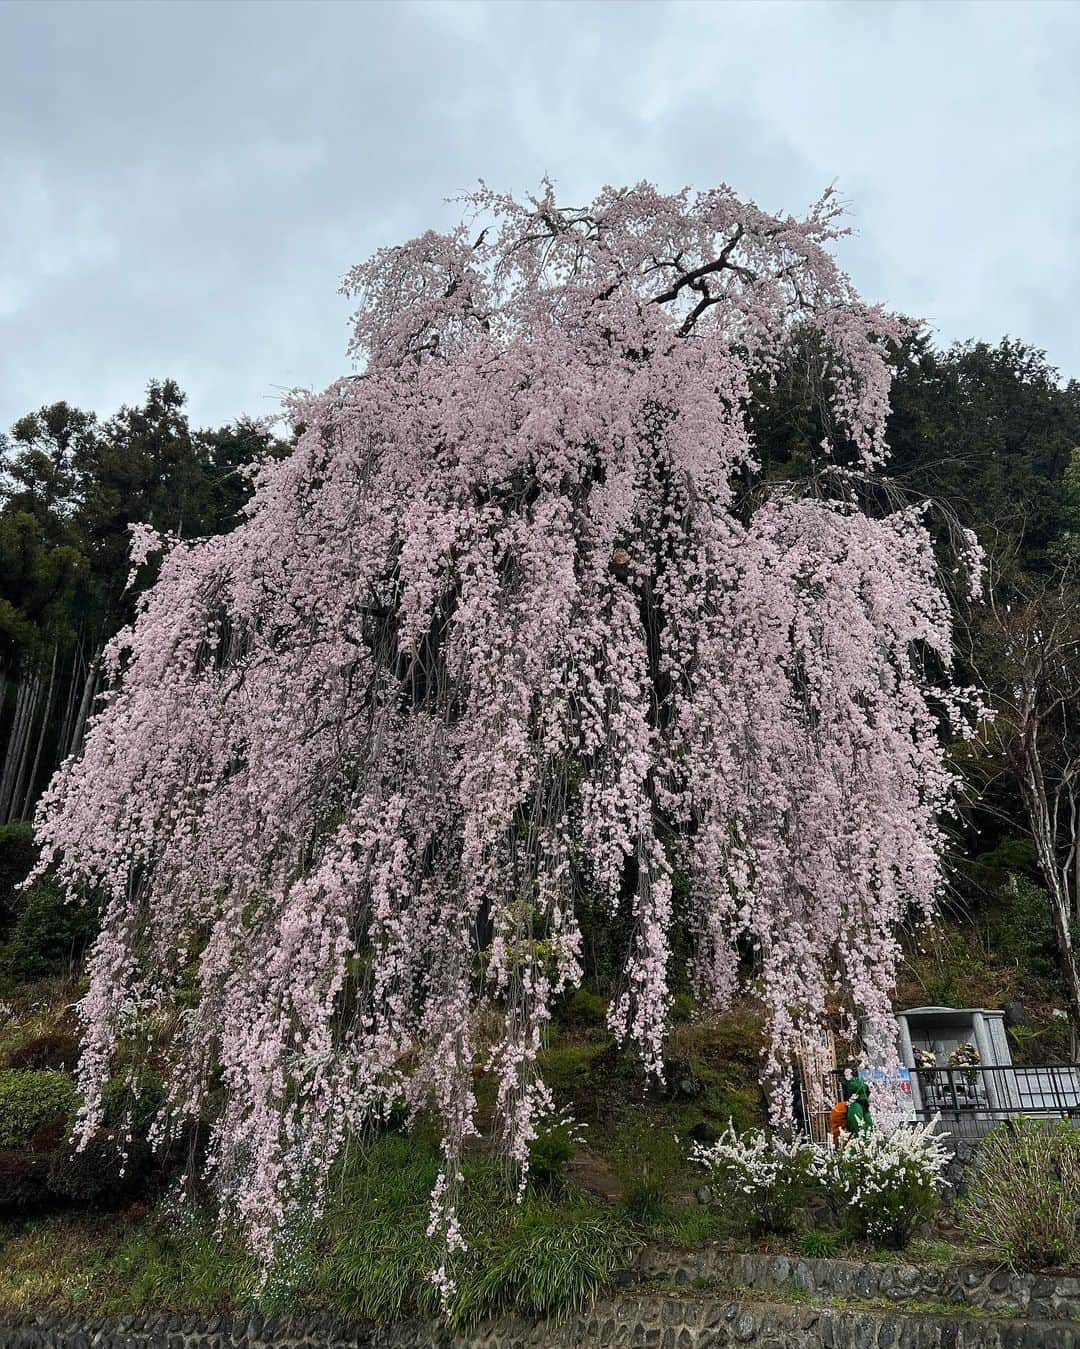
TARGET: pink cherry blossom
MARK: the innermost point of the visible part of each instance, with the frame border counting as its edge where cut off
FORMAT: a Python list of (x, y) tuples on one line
[(507, 627)]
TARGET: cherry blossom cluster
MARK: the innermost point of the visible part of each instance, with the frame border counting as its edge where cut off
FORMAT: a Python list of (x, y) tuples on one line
[(517, 621)]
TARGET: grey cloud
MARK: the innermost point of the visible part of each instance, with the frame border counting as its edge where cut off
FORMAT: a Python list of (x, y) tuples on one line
[(184, 184)]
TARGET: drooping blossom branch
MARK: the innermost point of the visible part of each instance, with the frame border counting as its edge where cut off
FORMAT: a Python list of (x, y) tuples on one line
[(505, 629)]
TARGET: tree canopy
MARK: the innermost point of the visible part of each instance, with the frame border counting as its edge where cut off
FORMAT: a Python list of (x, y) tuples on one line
[(521, 620)]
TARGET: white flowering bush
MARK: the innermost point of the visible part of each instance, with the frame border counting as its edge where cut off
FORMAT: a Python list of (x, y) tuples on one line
[(888, 1182), (765, 1178)]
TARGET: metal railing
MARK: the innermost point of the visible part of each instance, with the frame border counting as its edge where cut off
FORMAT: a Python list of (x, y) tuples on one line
[(972, 1100)]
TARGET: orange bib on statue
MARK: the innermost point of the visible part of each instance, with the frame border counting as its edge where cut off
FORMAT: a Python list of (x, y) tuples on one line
[(838, 1120)]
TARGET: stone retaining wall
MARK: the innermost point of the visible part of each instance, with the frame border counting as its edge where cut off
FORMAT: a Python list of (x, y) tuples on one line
[(648, 1321), (702, 1299), (986, 1287)]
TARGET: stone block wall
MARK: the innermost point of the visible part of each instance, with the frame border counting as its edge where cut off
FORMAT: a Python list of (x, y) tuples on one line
[(702, 1299), (982, 1287), (643, 1321)]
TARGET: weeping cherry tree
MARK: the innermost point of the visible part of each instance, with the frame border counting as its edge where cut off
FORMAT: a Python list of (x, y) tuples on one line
[(517, 622)]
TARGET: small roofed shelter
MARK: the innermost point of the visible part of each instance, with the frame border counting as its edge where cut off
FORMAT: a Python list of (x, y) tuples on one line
[(973, 1093), (941, 1030)]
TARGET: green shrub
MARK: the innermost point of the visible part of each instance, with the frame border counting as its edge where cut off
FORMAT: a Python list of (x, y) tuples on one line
[(691, 1225), (1023, 1193), (1023, 931), (17, 855), (1011, 856), (133, 1102), (584, 1010), (24, 1187), (552, 1150), (109, 1171), (49, 935), (29, 1100)]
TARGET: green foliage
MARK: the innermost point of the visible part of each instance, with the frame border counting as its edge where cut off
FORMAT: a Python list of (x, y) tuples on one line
[(1024, 930), (108, 1171), (761, 1178), (888, 1184), (533, 1258), (380, 1254), (1069, 546), (570, 1067), (549, 1155), (1011, 856), (17, 855), (549, 1263), (133, 1101), (552, 1150), (1023, 1193), (990, 429), (180, 1259), (650, 1166), (583, 1009), (605, 938), (29, 1101), (954, 970), (70, 486), (819, 1245), (49, 936)]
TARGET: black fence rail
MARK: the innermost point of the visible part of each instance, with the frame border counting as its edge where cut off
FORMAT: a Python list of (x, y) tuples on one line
[(971, 1101)]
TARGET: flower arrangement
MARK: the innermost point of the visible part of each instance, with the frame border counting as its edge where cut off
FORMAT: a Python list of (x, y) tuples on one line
[(890, 1181), (762, 1176), (924, 1058), (966, 1057)]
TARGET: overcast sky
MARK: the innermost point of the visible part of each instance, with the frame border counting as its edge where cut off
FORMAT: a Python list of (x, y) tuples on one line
[(183, 185)]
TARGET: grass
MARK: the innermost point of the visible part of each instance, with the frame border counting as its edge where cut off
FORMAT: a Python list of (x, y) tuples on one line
[(536, 1257), (690, 1225), (59, 1260), (30, 1010), (369, 1257)]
